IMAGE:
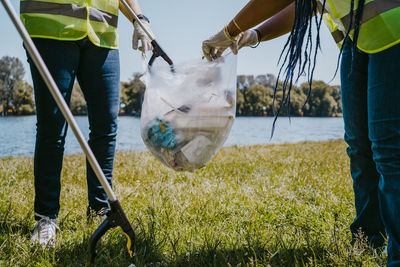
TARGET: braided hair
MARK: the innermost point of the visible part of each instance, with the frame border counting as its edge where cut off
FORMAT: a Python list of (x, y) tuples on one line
[(297, 57)]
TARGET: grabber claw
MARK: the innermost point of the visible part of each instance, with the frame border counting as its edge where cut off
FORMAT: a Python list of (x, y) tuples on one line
[(115, 217), (159, 52)]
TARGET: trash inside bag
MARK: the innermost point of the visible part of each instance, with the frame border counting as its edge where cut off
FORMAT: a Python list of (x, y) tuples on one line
[(187, 114)]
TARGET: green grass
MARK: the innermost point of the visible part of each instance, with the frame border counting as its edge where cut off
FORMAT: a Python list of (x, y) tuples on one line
[(272, 205)]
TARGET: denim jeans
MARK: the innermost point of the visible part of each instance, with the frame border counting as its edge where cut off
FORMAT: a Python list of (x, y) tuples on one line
[(97, 71), (371, 113)]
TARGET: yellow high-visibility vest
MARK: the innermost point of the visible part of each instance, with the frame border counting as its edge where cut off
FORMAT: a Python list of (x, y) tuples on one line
[(72, 20), (379, 26)]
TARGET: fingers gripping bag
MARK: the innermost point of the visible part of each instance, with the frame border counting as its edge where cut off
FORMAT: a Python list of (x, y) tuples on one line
[(187, 114)]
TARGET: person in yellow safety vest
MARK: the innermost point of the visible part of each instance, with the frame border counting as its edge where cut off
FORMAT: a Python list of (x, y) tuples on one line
[(76, 39), (368, 35)]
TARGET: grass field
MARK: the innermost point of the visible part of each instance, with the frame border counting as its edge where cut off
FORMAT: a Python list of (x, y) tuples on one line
[(273, 205)]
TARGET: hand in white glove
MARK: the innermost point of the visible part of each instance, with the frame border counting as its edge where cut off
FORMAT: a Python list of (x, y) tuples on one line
[(214, 46), (139, 34), (248, 38)]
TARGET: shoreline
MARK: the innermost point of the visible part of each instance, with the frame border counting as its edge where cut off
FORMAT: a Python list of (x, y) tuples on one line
[(223, 147)]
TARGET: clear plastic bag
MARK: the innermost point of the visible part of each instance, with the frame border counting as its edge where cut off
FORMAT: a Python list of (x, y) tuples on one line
[(187, 114)]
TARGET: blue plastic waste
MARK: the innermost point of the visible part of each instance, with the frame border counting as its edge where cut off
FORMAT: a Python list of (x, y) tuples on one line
[(160, 134)]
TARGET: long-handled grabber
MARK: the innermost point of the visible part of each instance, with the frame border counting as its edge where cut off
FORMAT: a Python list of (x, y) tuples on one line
[(116, 216), (157, 50)]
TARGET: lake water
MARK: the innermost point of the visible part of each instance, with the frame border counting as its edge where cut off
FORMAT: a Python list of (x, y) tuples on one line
[(17, 134)]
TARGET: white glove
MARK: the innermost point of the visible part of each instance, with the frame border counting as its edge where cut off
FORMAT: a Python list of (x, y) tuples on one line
[(139, 34), (214, 46), (248, 38)]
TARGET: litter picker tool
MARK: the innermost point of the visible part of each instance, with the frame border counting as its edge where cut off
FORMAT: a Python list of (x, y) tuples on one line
[(116, 216), (157, 50)]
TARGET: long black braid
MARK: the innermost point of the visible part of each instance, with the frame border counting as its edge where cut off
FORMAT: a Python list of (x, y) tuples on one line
[(293, 50)]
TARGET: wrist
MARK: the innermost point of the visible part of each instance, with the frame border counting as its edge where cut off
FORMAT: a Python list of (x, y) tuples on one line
[(232, 29), (141, 17), (228, 35), (259, 37)]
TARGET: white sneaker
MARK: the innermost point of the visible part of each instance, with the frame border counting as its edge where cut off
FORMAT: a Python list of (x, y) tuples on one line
[(44, 232)]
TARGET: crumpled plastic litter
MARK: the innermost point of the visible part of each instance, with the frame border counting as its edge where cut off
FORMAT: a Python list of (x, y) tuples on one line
[(187, 114)]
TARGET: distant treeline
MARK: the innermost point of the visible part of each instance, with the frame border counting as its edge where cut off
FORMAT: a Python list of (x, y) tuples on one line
[(254, 95)]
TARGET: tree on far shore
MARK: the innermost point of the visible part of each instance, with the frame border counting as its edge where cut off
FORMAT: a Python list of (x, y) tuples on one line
[(132, 93), (16, 95), (23, 99)]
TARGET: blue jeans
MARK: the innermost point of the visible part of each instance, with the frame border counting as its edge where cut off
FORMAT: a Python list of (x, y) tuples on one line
[(97, 71), (371, 113)]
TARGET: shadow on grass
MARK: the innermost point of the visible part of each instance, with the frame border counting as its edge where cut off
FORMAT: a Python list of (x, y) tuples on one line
[(253, 256), (113, 253)]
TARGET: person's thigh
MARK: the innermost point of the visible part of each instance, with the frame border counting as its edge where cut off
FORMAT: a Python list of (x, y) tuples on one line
[(99, 77), (61, 58), (354, 78), (384, 131)]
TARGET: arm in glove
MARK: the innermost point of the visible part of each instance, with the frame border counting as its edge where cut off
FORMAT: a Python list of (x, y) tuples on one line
[(140, 34), (214, 46), (276, 26), (254, 13)]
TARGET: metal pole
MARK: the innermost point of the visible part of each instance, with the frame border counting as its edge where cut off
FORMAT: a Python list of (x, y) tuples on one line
[(37, 59)]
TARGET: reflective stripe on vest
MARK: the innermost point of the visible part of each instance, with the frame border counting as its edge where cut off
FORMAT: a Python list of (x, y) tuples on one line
[(66, 21), (334, 25), (380, 23), (371, 10)]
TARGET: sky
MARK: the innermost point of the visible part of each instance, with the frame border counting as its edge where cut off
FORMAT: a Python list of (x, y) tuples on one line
[(180, 26)]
